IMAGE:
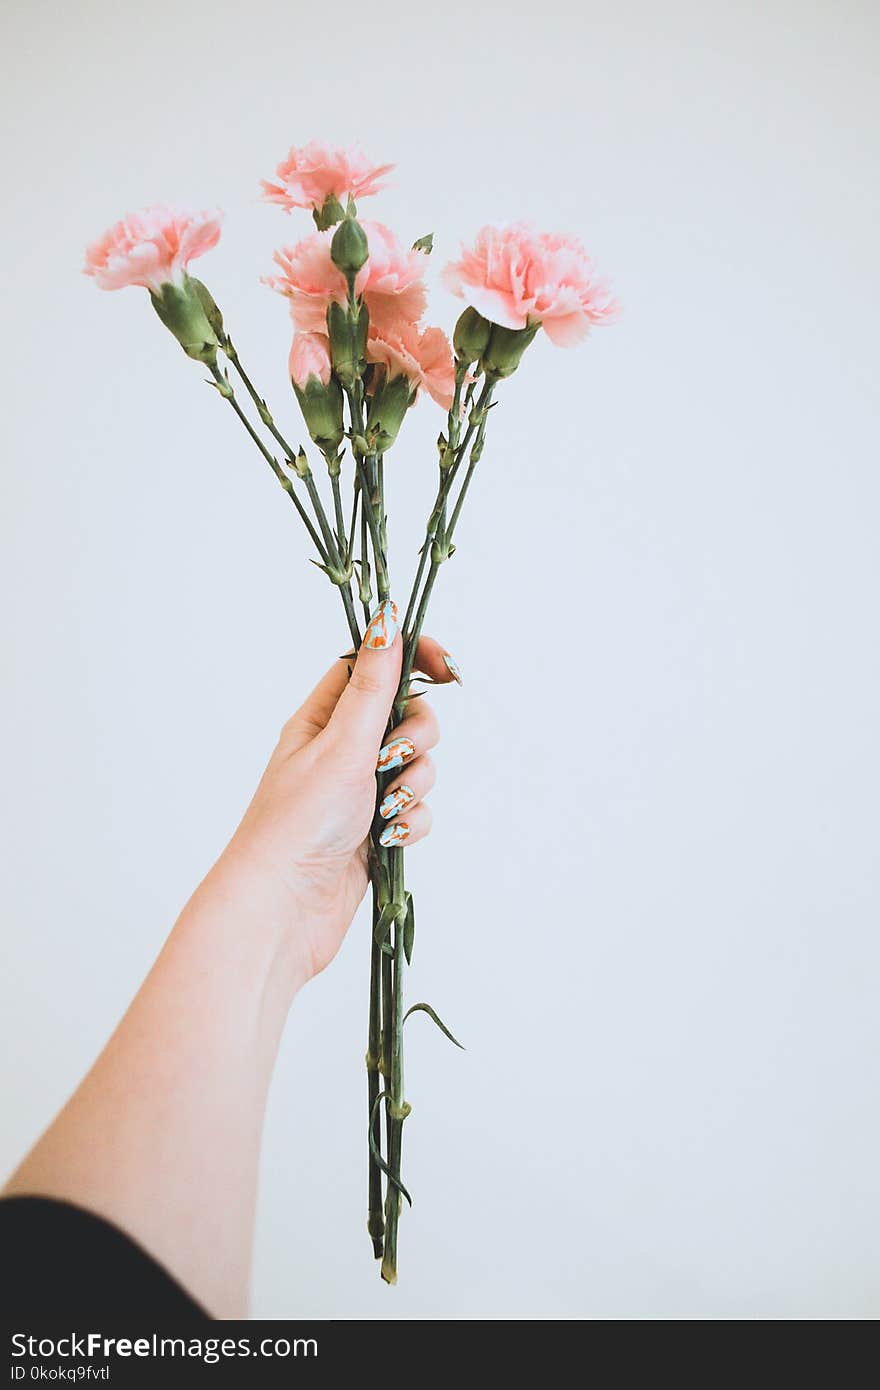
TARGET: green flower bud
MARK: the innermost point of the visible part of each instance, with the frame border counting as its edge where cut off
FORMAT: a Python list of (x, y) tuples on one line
[(505, 350), (300, 465), (180, 309), (471, 336), (212, 312), (348, 249), (346, 349), (322, 411), (388, 405)]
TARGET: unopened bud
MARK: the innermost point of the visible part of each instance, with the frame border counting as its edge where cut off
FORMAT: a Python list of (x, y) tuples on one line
[(349, 249), (300, 465)]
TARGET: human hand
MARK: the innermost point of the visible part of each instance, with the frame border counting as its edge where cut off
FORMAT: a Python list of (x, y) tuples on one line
[(302, 844)]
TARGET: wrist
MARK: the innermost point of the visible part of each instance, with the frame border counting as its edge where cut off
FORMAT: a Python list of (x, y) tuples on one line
[(251, 922)]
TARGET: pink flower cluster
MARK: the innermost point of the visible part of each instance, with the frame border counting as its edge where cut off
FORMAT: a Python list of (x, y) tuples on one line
[(393, 289), (515, 276), (317, 171), (151, 248)]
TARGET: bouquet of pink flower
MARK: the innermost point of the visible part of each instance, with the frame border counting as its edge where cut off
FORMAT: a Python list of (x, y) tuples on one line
[(360, 358)]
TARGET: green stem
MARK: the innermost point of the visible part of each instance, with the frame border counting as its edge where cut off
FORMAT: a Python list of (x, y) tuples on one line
[(447, 478), (375, 1219), (332, 555), (369, 505), (287, 483), (396, 1106), (476, 454), (340, 519), (365, 586)]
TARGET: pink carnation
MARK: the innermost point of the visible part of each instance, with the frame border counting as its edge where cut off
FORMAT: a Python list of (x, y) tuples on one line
[(309, 356), (391, 280), (393, 286), (315, 172), (422, 355), (514, 276), (151, 248), (309, 280)]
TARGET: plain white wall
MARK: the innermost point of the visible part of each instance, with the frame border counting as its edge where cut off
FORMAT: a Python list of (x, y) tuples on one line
[(650, 902)]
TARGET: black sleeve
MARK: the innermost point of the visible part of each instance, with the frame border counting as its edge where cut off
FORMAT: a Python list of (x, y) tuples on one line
[(59, 1260)]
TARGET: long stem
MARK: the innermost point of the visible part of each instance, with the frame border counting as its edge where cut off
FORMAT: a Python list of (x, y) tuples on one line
[(397, 1107), (375, 1219), (369, 506), (447, 478), (476, 454), (287, 483), (413, 629), (340, 519), (365, 586), (331, 548)]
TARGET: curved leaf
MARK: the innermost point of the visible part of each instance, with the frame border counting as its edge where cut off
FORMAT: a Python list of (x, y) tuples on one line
[(409, 929), (426, 1009), (374, 1150)]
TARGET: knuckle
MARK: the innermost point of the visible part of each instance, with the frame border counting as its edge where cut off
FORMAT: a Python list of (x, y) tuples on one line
[(364, 683)]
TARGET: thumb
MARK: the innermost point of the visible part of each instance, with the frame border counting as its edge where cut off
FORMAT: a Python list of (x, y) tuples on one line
[(361, 714)]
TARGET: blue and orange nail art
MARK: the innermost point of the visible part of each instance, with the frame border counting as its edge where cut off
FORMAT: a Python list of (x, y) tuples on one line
[(395, 754), (452, 668), (394, 834), (382, 628), (395, 801)]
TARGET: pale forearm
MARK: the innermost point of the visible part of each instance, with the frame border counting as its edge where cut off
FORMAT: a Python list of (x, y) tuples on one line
[(163, 1135)]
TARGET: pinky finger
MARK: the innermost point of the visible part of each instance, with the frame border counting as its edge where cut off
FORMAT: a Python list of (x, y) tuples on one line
[(406, 830)]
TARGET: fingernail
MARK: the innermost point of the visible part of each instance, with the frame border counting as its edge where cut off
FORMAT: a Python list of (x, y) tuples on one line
[(394, 834), (382, 628), (395, 754), (396, 801), (453, 668)]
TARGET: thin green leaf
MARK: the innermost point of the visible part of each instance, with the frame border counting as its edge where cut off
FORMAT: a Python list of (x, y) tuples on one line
[(387, 917), (374, 1150), (426, 1009), (409, 929)]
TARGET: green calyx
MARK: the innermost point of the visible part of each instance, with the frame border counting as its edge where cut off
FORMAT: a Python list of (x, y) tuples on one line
[(349, 249), (348, 340), (471, 336), (322, 411), (181, 309), (388, 405), (210, 306), (505, 349), (329, 214)]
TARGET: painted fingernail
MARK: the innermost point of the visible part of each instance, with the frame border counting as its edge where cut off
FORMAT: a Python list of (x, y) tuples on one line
[(395, 801), (394, 834), (452, 667), (382, 628), (395, 754)]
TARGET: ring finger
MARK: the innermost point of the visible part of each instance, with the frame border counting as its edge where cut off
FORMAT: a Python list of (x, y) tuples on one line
[(408, 828), (408, 788)]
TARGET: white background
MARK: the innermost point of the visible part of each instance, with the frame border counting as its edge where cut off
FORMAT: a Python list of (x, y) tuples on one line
[(650, 902)]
